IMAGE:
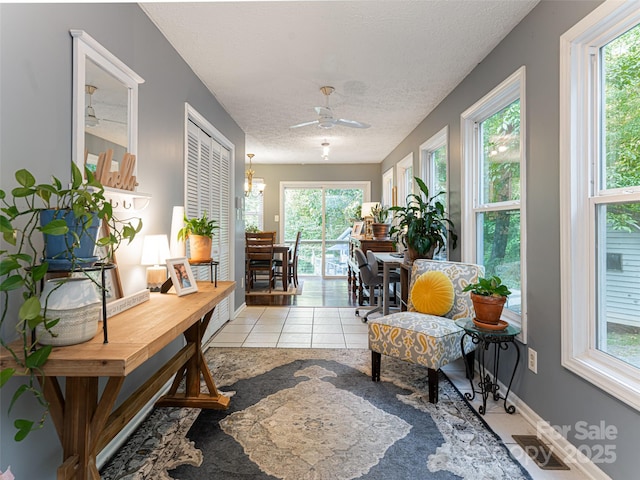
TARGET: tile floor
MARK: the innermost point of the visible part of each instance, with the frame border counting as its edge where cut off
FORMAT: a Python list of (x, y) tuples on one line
[(339, 327)]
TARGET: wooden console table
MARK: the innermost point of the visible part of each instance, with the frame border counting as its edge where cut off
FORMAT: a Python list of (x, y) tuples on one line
[(84, 419)]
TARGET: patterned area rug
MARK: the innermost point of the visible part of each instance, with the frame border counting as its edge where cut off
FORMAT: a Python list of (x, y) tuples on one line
[(315, 414)]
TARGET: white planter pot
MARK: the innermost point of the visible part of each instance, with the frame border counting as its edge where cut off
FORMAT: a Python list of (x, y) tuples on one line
[(77, 303)]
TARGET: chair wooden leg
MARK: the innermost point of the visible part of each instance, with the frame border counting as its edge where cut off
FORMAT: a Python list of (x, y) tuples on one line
[(433, 385), (376, 359)]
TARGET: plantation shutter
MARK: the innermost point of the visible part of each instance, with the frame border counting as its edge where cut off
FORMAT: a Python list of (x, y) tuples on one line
[(207, 180)]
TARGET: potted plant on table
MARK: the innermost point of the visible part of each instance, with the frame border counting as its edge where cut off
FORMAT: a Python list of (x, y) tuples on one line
[(380, 226), (488, 296), (199, 231), (34, 217), (422, 226)]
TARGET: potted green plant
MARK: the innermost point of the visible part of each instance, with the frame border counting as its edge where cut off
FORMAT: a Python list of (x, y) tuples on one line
[(380, 226), (422, 226), (199, 231), (29, 232), (488, 296)]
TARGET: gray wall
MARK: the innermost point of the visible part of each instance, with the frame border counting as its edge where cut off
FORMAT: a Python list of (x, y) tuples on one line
[(557, 395), (35, 116), (274, 174)]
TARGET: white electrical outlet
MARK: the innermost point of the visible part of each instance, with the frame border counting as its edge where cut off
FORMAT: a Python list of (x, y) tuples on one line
[(533, 360)]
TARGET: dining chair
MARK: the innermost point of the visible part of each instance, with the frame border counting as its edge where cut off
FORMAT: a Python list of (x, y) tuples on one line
[(259, 257), (291, 269)]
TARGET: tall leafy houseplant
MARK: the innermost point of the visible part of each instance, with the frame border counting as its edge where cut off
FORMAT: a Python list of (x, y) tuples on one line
[(422, 226), (22, 267), (199, 231)]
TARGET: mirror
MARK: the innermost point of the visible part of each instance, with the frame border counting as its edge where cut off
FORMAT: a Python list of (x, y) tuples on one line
[(105, 112)]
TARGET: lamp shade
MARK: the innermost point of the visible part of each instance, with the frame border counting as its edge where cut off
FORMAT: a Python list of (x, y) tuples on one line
[(155, 250), (366, 209), (177, 247)]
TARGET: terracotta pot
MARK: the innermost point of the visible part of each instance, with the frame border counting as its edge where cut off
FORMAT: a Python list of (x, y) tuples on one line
[(199, 248), (488, 308), (380, 230)]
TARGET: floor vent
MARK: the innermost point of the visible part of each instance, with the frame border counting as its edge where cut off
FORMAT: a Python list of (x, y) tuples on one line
[(540, 453)]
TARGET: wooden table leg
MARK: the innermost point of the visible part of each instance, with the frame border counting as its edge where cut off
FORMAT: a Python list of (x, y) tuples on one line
[(83, 419), (195, 368)]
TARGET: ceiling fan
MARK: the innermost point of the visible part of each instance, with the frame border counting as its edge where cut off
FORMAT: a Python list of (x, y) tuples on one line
[(325, 115)]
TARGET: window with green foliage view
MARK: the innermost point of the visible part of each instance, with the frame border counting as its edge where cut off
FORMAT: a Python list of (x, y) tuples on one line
[(324, 214), (600, 199)]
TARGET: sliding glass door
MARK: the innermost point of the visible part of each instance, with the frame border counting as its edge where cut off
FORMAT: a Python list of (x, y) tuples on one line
[(324, 214)]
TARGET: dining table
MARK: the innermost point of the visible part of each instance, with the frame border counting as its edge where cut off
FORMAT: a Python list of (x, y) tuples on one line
[(284, 251)]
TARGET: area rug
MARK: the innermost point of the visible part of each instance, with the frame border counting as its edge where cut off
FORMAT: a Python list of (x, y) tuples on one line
[(262, 288), (300, 414)]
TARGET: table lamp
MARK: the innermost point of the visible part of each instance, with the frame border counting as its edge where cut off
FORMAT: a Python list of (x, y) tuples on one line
[(155, 251)]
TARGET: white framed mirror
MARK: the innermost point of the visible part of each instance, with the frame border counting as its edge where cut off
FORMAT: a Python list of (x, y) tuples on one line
[(105, 106)]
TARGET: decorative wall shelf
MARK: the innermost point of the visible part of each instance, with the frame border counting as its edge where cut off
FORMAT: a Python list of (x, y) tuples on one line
[(126, 200)]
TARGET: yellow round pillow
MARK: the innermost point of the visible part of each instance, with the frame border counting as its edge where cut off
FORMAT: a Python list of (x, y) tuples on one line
[(432, 293)]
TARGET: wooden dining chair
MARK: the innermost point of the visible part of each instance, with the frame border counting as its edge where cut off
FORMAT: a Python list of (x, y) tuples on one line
[(291, 262), (259, 257)]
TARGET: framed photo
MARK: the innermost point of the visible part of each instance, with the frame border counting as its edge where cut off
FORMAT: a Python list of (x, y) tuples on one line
[(181, 275), (356, 230)]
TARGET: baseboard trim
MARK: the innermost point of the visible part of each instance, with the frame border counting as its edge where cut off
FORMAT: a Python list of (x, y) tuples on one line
[(119, 440)]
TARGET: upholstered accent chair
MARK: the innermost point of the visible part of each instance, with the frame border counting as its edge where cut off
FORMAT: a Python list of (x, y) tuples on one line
[(423, 338)]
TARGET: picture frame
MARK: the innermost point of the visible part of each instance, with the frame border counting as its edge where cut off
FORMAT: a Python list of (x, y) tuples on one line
[(181, 276), (356, 230)]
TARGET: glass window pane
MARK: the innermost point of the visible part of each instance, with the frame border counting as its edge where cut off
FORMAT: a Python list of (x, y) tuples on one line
[(438, 162), (499, 250), (621, 122), (618, 282), (500, 156)]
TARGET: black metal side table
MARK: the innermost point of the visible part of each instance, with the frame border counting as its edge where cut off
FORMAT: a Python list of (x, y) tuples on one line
[(483, 338), (212, 264)]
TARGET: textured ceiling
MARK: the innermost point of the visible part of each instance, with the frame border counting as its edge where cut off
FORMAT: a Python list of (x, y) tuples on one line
[(391, 62)]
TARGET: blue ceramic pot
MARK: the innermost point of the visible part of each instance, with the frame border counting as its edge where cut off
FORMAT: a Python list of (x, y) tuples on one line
[(60, 250)]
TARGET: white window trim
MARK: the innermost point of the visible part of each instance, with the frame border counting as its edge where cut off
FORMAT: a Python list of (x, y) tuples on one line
[(578, 154), (387, 193), (401, 167), (509, 90), (440, 139), (427, 168)]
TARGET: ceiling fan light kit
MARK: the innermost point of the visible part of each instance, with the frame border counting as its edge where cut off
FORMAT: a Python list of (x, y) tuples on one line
[(325, 115), (90, 119), (325, 150)]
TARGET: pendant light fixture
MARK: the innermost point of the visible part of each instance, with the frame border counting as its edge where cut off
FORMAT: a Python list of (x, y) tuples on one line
[(90, 119), (325, 150)]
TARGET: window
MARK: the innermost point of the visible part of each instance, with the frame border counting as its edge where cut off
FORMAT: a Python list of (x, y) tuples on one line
[(254, 206), (494, 189), (387, 188), (323, 212), (207, 176), (405, 176), (434, 169), (600, 199)]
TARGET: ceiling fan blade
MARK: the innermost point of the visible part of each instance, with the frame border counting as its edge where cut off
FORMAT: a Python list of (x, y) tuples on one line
[(324, 111), (351, 123), (305, 124)]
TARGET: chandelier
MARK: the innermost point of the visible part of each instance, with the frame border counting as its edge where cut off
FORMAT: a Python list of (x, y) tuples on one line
[(248, 181)]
